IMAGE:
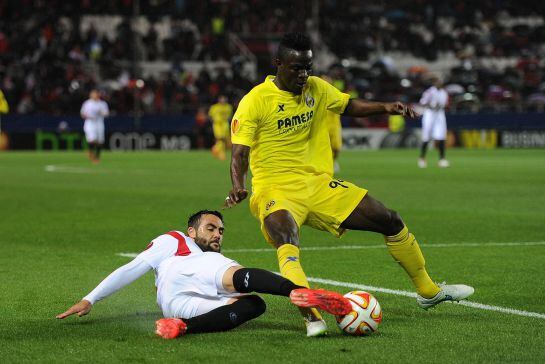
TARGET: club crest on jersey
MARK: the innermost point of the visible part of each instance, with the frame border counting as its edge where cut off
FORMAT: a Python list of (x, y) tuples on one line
[(235, 125), (309, 100), (269, 205)]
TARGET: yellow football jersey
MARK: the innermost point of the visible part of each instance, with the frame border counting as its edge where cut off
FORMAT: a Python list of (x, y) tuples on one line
[(335, 130), (287, 133), (220, 113)]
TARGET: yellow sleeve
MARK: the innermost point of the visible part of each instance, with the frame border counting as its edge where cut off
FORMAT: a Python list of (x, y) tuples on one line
[(244, 123), (211, 111), (4, 107), (336, 100)]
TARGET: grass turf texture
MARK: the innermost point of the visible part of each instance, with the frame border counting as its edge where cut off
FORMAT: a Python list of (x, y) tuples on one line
[(60, 232)]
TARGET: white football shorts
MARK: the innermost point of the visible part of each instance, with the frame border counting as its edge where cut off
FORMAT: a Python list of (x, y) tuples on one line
[(94, 131), (193, 285), (434, 125)]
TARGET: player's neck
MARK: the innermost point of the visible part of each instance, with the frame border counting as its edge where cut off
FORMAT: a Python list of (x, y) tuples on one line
[(279, 84)]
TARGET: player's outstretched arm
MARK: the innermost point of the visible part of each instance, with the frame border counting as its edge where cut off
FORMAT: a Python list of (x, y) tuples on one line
[(361, 108), (81, 308), (118, 279), (239, 169)]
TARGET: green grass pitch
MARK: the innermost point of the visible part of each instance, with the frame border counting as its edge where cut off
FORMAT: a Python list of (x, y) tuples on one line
[(63, 221)]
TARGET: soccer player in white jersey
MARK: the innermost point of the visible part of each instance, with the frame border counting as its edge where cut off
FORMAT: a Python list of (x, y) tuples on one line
[(434, 121), (199, 289), (93, 111)]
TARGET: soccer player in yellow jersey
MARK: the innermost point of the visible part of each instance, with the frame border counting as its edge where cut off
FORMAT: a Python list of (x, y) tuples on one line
[(279, 129), (220, 113)]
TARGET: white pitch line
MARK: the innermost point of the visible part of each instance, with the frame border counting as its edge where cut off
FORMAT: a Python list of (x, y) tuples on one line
[(396, 292), (68, 169), (363, 247), (350, 285)]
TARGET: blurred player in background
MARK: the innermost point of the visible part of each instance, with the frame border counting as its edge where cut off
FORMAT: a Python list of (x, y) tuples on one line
[(4, 109), (93, 111), (279, 128), (220, 113), (199, 289), (434, 121)]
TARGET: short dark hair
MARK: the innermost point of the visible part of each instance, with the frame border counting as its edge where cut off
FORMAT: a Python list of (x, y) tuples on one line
[(195, 219), (293, 41)]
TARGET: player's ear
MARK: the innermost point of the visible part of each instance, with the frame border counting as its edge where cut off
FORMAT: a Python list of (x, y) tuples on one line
[(191, 232), (277, 62)]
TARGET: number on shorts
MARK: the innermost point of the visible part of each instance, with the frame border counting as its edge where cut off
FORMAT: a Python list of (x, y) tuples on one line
[(338, 182)]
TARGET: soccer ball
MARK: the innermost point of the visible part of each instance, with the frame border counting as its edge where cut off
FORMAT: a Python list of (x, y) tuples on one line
[(365, 317)]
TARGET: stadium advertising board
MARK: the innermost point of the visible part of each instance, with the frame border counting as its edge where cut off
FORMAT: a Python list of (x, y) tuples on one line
[(523, 139), (117, 141)]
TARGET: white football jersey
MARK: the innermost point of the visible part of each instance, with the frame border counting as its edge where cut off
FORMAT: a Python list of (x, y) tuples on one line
[(434, 98), (189, 281), (171, 244), (94, 110)]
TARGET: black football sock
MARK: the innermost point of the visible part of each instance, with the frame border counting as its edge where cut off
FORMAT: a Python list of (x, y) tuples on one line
[(423, 150), (262, 281), (441, 145), (227, 317), (97, 151)]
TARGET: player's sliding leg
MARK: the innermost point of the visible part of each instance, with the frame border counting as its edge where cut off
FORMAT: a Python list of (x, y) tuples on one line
[(371, 215), (223, 318), (245, 280), (283, 230)]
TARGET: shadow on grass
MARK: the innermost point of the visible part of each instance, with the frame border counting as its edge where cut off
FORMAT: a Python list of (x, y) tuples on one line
[(116, 327)]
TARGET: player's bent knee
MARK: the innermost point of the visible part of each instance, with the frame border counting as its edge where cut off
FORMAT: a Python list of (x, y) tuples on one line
[(282, 228), (395, 223), (228, 280), (255, 305)]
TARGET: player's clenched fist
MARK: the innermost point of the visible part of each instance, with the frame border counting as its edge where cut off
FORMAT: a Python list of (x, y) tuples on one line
[(236, 195), (81, 308)]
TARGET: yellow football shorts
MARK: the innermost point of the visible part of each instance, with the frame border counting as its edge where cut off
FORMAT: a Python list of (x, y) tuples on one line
[(320, 202), (221, 130), (335, 135)]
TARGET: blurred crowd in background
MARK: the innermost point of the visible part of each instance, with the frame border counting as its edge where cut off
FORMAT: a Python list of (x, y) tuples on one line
[(142, 54)]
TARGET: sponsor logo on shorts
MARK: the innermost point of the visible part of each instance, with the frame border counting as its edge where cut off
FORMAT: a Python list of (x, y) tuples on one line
[(269, 205), (233, 317)]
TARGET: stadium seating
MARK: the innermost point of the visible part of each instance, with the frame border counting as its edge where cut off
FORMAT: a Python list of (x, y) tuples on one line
[(172, 57)]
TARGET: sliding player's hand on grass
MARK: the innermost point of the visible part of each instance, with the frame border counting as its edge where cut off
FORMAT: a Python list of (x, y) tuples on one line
[(81, 308)]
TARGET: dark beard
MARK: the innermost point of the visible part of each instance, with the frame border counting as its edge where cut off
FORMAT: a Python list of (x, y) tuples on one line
[(204, 247)]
